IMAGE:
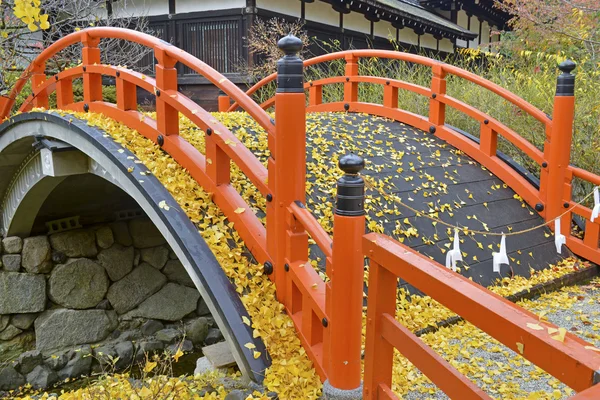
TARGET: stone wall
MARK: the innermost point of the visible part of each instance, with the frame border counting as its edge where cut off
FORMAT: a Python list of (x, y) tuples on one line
[(117, 287)]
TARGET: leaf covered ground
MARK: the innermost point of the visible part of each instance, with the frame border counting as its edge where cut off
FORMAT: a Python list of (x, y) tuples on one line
[(291, 374)]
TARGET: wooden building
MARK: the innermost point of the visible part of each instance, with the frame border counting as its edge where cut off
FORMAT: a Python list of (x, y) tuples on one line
[(215, 30)]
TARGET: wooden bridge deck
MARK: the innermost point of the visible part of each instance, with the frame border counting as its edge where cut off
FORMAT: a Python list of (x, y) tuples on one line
[(430, 176)]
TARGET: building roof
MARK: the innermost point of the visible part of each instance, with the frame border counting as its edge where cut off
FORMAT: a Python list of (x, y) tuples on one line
[(411, 9)]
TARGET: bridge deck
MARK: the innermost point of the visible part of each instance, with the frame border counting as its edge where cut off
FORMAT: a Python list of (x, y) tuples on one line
[(425, 173)]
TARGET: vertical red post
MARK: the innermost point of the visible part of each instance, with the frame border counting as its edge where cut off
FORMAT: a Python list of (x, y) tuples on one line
[(223, 101), (437, 109), (559, 152), (379, 354), (167, 117), (287, 167), (350, 87), (347, 272), (90, 55), (38, 77)]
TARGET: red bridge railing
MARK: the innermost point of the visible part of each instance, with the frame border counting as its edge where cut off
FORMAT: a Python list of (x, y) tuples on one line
[(328, 314)]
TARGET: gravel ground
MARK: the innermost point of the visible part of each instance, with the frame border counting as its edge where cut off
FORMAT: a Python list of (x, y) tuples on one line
[(501, 372)]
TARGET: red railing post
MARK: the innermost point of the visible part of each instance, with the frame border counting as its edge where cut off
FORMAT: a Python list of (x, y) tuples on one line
[(437, 109), (350, 87), (379, 353), (223, 101), (38, 77), (167, 117), (559, 152), (344, 298), (287, 165), (90, 55)]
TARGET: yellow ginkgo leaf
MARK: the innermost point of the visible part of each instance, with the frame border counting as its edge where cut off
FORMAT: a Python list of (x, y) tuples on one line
[(520, 347), (150, 365), (256, 354), (239, 210)]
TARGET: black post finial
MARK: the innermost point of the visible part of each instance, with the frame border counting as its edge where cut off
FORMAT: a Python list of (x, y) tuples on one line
[(290, 69), (565, 84), (351, 187)]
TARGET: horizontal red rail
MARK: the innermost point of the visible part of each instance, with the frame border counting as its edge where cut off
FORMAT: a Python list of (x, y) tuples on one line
[(568, 361)]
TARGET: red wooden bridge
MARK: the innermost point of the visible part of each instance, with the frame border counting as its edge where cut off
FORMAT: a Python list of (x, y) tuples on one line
[(328, 314)]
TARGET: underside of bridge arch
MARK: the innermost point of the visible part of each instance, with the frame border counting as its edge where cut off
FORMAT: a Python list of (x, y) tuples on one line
[(55, 172)]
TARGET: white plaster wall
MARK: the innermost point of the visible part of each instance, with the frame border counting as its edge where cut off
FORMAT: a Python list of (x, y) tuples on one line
[(287, 7), (409, 36), (126, 8), (485, 34), (475, 29), (446, 45), (357, 22), (322, 13), (384, 29), (463, 21), (427, 40), (185, 6)]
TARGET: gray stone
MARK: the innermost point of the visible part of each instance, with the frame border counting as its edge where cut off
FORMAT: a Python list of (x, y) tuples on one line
[(28, 361), (144, 233), (172, 255), (196, 330), (121, 233), (137, 257), (117, 260), (134, 288), (103, 305), (12, 262), (214, 336), (104, 237), (155, 256), (332, 393), (203, 366), (150, 327), (57, 361), (80, 284), (37, 254), (4, 320), (12, 349), (202, 308), (10, 379), (236, 394), (151, 346), (125, 351), (171, 303), (186, 346), (12, 245), (23, 321), (105, 355), (129, 335), (168, 335), (79, 364), (42, 377), (62, 328), (176, 272), (59, 257), (22, 293), (9, 332), (76, 243)]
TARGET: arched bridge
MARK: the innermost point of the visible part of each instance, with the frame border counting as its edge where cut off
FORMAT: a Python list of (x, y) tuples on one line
[(435, 196)]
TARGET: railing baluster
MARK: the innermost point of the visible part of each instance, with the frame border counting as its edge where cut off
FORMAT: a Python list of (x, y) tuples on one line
[(592, 234), (379, 353), (351, 88), (64, 92), (90, 55), (126, 94), (559, 152), (315, 95), (437, 109), (223, 101), (488, 140), (390, 96), (38, 77), (218, 163), (167, 117)]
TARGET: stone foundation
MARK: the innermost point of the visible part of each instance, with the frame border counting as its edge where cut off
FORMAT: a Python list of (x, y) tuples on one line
[(109, 290)]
